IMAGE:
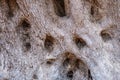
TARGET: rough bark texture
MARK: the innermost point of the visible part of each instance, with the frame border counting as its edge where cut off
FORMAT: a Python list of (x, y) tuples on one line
[(59, 39)]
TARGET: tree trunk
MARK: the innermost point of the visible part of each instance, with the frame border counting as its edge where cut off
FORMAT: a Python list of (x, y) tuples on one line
[(59, 39)]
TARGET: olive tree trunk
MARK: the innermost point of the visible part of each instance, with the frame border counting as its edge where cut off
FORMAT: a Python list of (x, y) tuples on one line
[(59, 39)]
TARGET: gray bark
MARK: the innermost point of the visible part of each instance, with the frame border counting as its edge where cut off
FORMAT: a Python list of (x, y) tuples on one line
[(59, 39)]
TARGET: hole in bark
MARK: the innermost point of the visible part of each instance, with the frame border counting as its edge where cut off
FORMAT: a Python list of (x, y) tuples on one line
[(27, 46), (49, 41), (35, 76), (70, 74), (59, 7), (80, 42), (25, 25), (50, 61), (66, 62), (105, 36)]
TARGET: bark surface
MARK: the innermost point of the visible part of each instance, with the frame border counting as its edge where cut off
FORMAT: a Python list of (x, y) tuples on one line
[(59, 39)]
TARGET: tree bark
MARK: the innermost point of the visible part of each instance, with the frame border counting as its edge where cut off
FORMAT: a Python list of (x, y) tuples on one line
[(59, 39)]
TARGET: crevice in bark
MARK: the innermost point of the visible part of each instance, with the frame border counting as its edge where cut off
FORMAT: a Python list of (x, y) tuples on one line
[(49, 42), (80, 42), (89, 75), (24, 32), (106, 36), (59, 7)]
